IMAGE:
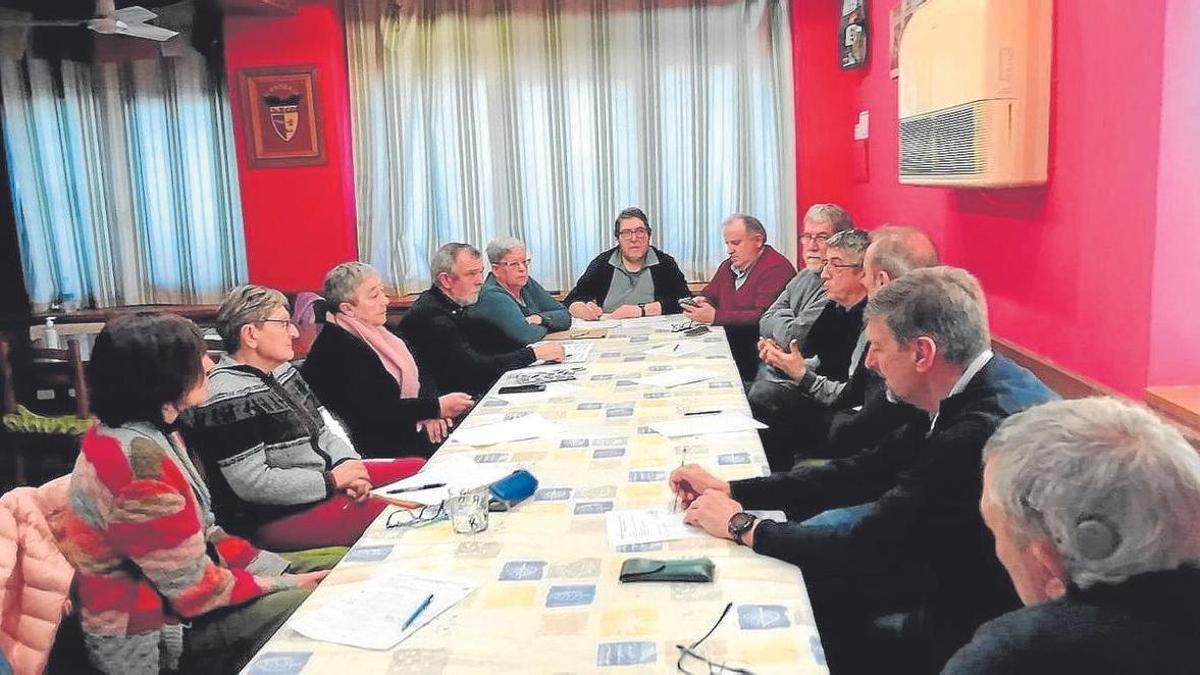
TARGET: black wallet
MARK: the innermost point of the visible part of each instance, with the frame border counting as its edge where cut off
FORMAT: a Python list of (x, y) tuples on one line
[(647, 569)]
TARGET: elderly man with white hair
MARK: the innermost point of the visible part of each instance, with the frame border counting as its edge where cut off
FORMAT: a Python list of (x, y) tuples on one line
[(1094, 505), (513, 302)]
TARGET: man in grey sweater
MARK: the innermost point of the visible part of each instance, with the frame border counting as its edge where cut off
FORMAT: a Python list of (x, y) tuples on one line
[(792, 314)]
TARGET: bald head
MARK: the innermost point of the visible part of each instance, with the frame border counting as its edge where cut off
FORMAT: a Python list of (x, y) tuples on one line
[(895, 251)]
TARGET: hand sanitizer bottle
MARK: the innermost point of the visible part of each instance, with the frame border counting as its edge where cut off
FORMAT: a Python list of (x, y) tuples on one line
[(51, 335)]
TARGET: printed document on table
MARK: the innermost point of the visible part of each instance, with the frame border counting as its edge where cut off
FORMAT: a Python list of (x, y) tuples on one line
[(722, 423), (626, 528), (464, 474), (521, 428), (373, 616), (678, 376), (677, 349), (580, 324), (577, 351)]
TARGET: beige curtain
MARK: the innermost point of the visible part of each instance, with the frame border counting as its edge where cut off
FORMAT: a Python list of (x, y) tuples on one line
[(543, 119)]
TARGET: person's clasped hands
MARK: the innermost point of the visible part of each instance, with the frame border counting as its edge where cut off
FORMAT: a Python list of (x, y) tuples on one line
[(708, 499)]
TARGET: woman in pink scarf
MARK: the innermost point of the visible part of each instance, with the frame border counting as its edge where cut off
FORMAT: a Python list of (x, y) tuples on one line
[(366, 375)]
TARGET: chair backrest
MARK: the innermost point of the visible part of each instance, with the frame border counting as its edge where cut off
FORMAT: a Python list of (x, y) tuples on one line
[(8, 390), (55, 369)]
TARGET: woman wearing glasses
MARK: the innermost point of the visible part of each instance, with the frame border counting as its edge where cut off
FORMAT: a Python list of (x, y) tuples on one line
[(512, 302), (629, 280), (279, 474)]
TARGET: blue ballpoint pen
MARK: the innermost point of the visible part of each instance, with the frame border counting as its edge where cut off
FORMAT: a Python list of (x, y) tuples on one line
[(418, 611)]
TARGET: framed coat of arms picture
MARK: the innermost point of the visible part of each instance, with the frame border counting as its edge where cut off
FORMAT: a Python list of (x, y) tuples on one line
[(283, 126)]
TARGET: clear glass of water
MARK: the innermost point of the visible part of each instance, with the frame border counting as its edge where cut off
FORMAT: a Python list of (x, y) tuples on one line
[(468, 510)]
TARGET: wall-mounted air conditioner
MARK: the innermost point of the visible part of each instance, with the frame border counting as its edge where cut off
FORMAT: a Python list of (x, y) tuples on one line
[(975, 93)]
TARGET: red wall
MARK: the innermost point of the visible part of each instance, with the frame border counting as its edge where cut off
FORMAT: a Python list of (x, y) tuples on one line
[(1068, 269), (299, 221)]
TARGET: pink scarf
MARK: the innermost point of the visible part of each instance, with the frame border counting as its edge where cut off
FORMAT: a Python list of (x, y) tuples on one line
[(391, 350)]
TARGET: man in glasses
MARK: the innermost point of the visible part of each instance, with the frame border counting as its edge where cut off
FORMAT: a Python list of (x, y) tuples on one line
[(512, 304), (630, 280), (801, 380), (742, 288)]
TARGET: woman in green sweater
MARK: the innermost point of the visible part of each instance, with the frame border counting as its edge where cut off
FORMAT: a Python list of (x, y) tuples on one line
[(512, 301)]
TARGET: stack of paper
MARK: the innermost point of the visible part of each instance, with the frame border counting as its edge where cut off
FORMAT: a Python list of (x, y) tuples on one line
[(723, 423), (580, 324), (383, 611), (521, 428), (678, 376), (626, 528), (460, 475)]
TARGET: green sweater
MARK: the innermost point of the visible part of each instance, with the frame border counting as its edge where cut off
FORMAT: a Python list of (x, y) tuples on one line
[(498, 307)]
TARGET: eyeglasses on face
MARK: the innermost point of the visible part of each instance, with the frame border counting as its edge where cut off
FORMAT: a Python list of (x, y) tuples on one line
[(825, 262), (515, 264), (808, 237), (426, 515), (287, 324), (635, 233)]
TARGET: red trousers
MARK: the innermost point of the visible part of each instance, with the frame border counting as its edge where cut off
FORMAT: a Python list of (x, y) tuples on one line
[(337, 521)]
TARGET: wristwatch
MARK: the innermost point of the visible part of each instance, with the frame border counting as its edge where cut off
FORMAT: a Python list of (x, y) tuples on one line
[(739, 524), (642, 306)]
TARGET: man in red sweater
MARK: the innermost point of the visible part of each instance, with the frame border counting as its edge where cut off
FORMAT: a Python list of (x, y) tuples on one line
[(744, 286)]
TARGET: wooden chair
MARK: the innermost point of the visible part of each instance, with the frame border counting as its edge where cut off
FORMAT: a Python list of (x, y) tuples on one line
[(57, 370)]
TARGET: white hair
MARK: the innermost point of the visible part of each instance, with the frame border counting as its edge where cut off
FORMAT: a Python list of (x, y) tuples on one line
[(500, 246), (1115, 488), (342, 282)]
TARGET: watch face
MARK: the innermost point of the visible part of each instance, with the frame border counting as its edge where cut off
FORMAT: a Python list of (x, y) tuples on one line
[(739, 523)]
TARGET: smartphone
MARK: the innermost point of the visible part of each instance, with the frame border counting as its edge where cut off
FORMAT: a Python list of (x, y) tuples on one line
[(689, 302), (698, 330), (522, 388)]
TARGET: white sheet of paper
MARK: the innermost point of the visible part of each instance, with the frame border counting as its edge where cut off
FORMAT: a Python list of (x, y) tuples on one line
[(722, 423), (373, 615), (777, 516), (521, 428), (580, 324), (626, 528), (677, 349), (463, 475), (678, 376)]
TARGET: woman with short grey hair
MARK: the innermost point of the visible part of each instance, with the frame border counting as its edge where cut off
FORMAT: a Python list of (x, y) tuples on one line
[(1094, 505), (513, 301), (366, 375)]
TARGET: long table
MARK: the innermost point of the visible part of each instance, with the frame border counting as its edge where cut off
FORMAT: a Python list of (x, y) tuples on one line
[(549, 600)]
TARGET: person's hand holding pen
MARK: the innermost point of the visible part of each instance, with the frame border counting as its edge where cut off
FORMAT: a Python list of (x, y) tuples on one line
[(690, 481)]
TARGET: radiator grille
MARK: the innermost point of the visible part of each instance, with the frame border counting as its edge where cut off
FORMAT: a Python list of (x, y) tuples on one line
[(951, 142)]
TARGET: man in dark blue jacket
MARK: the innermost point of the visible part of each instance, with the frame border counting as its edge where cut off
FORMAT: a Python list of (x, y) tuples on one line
[(904, 586)]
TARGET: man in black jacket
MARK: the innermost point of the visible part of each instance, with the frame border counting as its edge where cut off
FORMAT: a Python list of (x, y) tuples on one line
[(905, 585), (1094, 505), (446, 343), (629, 280)]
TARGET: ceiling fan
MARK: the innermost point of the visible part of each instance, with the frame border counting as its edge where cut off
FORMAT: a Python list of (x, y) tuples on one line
[(109, 20)]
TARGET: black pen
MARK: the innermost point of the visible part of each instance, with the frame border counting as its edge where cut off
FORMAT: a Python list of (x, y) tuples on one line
[(414, 488), (702, 412)]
